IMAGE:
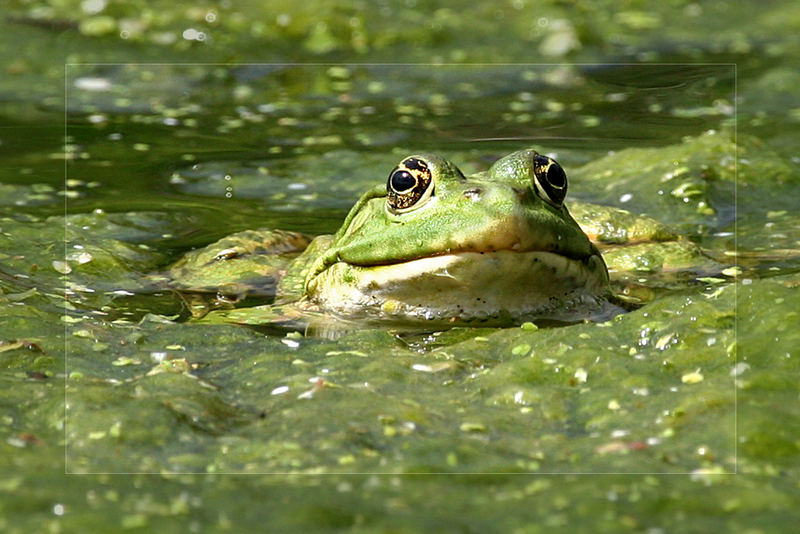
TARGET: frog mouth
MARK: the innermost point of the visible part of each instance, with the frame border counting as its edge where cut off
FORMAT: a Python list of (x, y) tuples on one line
[(495, 263), (459, 284)]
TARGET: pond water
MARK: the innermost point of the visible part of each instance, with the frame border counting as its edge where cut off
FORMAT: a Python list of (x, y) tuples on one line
[(120, 411)]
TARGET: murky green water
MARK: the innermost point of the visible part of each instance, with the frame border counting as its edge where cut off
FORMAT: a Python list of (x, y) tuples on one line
[(119, 413)]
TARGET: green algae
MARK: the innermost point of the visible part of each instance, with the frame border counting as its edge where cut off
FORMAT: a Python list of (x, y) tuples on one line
[(121, 384)]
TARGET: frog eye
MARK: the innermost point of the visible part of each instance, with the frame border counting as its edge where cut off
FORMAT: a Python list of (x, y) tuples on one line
[(409, 185), (549, 179)]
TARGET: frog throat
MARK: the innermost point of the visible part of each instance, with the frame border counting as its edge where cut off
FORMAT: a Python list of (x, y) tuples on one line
[(460, 286)]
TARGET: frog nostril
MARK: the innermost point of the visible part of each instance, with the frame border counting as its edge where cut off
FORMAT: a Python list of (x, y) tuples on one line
[(473, 193)]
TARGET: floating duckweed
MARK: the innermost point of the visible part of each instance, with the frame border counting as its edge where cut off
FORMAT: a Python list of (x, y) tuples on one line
[(339, 73), (229, 124), (613, 405), (521, 349), (703, 450), (61, 267), (438, 99), (358, 353), (664, 341), (739, 368), (521, 106), (554, 106), (705, 474), (125, 360), (141, 147), (560, 40), (80, 257), (692, 378), (638, 20), (242, 92), (407, 109), (590, 121), (347, 459), (332, 114), (472, 427), (323, 140), (375, 87), (116, 430), (97, 26), (732, 271), (581, 375), (132, 521), (527, 325), (441, 366)]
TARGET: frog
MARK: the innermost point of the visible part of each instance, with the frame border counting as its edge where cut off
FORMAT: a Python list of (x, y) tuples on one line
[(434, 246)]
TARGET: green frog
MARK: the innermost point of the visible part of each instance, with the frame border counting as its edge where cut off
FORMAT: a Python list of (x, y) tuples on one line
[(434, 246)]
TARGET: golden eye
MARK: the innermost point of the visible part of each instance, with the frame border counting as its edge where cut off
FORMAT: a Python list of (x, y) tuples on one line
[(549, 179), (409, 184)]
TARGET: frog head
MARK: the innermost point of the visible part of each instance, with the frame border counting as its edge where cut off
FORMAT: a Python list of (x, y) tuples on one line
[(435, 244)]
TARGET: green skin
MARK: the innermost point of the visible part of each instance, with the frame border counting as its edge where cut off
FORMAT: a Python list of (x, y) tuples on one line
[(489, 247)]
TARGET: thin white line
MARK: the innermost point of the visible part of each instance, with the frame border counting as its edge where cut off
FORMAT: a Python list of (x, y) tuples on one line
[(736, 265), (460, 65), (382, 473), (326, 64), (66, 325)]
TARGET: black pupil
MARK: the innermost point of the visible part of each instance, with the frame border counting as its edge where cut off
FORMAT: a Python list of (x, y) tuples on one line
[(556, 176), (403, 181)]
